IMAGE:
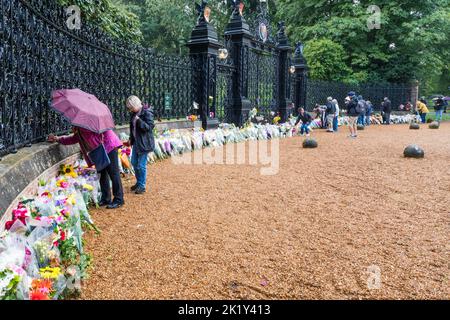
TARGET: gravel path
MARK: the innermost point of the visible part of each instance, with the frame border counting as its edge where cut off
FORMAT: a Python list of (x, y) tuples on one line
[(310, 232)]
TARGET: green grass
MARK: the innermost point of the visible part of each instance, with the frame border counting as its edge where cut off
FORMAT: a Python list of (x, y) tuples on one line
[(445, 116)]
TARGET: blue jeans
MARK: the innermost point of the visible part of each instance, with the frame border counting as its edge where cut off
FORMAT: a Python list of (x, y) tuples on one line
[(304, 128), (368, 119), (335, 124), (362, 119), (423, 117), (139, 163), (439, 115)]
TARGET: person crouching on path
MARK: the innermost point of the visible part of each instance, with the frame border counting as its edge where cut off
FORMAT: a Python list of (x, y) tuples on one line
[(422, 109), (306, 119), (141, 140), (88, 141)]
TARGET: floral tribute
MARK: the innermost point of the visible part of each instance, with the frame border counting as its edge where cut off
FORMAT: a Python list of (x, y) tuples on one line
[(192, 118), (175, 142), (41, 246)]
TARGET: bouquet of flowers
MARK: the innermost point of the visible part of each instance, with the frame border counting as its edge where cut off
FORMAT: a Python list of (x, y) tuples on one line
[(192, 118), (43, 240)]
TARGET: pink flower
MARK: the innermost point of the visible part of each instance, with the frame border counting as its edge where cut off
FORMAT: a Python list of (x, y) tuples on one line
[(27, 259), (20, 213), (47, 220), (167, 146), (59, 219), (8, 225)]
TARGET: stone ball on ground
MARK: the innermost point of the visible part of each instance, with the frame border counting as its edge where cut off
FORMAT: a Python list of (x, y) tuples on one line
[(309, 143), (360, 127), (414, 126), (434, 125), (413, 151)]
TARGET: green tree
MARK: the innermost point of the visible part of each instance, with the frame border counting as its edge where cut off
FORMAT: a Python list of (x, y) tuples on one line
[(411, 43), (166, 25), (112, 18), (326, 60)]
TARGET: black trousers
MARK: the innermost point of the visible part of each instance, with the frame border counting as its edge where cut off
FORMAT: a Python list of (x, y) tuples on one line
[(111, 172), (387, 118)]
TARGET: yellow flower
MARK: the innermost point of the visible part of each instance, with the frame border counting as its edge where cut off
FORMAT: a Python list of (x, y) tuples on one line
[(62, 183), (67, 170), (50, 273), (88, 187), (71, 199), (276, 119)]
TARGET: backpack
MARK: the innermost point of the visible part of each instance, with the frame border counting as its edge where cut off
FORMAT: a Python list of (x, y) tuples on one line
[(332, 109), (361, 107)]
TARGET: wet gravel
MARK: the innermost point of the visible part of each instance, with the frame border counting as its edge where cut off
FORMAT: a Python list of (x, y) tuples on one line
[(324, 227)]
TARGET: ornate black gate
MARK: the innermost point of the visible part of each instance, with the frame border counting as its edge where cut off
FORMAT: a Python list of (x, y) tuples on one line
[(222, 102), (261, 87), (261, 57), (254, 75)]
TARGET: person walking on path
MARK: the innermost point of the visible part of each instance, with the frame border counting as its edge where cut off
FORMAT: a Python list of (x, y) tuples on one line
[(369, 110), (330, 112), (336, 116), (352, 113), (386, 107), (361, 110), (439, 108), (422, 109), (89, 141), (306, 119), (141, 140)]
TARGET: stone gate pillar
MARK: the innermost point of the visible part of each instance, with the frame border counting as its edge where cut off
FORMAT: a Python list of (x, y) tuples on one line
[(284, 49), (300, 76), (237, 32), (414, 93), (203, 45)]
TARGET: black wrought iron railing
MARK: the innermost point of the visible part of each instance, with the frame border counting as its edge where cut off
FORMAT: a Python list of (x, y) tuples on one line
[(38, 54), (319, 91)]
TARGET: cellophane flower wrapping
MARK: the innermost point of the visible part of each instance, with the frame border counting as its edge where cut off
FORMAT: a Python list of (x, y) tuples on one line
[(44, 237)]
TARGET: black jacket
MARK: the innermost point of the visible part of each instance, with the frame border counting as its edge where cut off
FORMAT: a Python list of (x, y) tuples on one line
[(305, 118), (331, 109), (439, 105), (144, 141), (387, 106), (351, 108)]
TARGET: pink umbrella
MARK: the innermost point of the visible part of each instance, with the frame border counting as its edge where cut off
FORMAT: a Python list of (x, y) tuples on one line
[(83, 110)]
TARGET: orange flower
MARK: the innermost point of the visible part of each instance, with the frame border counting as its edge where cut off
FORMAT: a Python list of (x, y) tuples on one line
[(43, 286), (38, 295)]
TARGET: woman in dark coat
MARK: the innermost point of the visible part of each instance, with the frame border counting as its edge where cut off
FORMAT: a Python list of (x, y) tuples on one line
[(141, 140)]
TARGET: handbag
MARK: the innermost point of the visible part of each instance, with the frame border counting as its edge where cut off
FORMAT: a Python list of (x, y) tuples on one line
[(98, 156)]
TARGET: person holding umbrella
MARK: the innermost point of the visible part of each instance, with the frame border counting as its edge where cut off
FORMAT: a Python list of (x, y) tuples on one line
[(92, 126), (439, 105)]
